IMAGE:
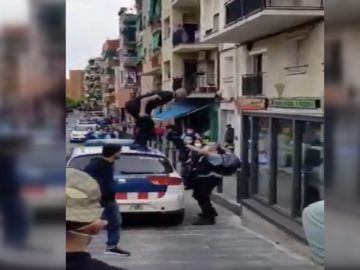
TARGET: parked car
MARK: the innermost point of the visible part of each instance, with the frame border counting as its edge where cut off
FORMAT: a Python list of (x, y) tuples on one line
[(80, 132), (146, 182)]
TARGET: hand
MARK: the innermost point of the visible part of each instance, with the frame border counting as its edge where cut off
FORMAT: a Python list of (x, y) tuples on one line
[(143, 115)]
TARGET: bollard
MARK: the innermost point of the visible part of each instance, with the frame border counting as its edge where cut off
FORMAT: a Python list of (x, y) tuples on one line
[(220, 185)]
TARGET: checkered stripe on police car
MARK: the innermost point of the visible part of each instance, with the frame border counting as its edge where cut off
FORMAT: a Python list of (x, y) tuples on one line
[(139, 195)]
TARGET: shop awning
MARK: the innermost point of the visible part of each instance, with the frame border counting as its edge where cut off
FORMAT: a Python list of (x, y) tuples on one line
[(179, 109)]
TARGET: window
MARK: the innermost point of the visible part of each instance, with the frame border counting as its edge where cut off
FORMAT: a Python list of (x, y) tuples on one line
[(122, 76), (312, 163), (284, 164), (296, 57), (167, 28), (263, 149), (167, 70)]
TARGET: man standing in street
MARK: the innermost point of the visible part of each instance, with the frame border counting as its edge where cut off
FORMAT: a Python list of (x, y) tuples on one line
[(229, 135), (83, 221), (102, 170)]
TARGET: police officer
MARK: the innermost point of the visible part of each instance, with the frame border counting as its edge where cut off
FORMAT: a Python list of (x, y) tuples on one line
[(206, 175)]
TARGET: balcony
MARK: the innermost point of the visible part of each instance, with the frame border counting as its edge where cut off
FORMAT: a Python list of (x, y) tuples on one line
[(247, 20), (129, 60), (152, 67), (252, 84), (187, 41), (185, 3), (203, 85)]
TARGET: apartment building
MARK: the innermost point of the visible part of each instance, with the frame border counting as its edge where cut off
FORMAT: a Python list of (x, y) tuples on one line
[(272, 83), (76, 86), (126, 79), (149, 44), (93, 82), (14, 42), (110, 56), (187, 62)]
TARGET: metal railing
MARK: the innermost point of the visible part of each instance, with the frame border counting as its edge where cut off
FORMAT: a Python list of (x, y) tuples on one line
[(252, 84), (237, 10)]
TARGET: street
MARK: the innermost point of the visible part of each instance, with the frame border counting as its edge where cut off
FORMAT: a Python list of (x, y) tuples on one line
[(226, 245)]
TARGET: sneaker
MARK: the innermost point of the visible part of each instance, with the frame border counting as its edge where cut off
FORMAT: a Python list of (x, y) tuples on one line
[(204, 221), (117, 251)]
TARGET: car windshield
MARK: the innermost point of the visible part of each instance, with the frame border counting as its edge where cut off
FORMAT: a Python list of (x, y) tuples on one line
[(130, 164), (82, 127)]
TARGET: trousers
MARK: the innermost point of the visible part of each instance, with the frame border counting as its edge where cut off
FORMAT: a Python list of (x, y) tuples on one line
[(112, 215), (313, 222), (202, 189)]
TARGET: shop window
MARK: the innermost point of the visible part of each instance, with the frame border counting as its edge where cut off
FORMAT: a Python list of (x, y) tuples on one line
[(284, 164), (312, 163), (263, 145)]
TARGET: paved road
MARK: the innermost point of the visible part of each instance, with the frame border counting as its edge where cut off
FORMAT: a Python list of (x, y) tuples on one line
[(227, 245)]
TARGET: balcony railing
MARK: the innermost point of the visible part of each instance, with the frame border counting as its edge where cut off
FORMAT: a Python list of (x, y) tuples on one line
[(156, 61), (237, 10), (201, 83), (187, 35), (252, 84)]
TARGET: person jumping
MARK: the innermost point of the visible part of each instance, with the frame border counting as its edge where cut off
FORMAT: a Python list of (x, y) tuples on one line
[(141, 108)]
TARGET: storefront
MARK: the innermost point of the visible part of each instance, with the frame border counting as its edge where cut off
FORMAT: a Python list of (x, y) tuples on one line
[(282, 153)]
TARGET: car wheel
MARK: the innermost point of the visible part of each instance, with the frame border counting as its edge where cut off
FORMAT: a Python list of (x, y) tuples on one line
[(177, 218)]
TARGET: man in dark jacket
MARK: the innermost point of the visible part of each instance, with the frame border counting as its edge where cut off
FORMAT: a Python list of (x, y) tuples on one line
[(229, 135), (102, 170), (83, 221)]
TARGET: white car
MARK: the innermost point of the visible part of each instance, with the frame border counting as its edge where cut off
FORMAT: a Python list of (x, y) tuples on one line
[(146, 182), (80, 132)]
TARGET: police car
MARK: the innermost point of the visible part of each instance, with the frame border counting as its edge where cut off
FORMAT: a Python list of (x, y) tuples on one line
[(80, 132), (145, 180)]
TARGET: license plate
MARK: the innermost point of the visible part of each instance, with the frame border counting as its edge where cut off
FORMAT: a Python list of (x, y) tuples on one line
[(136, 207)]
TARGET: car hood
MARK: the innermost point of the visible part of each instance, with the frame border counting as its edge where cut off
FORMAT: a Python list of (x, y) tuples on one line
[(79, 133)]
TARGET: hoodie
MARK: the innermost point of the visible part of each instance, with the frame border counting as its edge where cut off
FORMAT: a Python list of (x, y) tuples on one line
[(103, 172), (83, 260)]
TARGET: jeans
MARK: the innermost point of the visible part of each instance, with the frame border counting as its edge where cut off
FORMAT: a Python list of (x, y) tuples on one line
[(113, 216), (202, 193), (313, 222)]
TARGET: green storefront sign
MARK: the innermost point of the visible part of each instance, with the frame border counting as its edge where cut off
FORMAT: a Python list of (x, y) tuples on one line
[(295, 103)]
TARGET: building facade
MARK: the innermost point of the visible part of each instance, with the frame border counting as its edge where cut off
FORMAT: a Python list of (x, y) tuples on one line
[(76, 86), (126, 73), (190, 64), (149, 44), (110, 56), (93, 82), (272, 84)]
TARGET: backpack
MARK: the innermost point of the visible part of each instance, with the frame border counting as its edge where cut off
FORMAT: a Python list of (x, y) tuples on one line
[(230, 165)]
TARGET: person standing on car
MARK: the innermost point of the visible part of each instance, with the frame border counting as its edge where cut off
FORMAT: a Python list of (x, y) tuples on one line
[(83, 221), (102, 170)]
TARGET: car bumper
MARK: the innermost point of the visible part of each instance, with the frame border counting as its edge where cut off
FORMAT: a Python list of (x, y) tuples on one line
[(77, 139), (166, 205)]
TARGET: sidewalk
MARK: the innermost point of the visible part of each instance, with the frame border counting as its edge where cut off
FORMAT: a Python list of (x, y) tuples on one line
[(228, 245)]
